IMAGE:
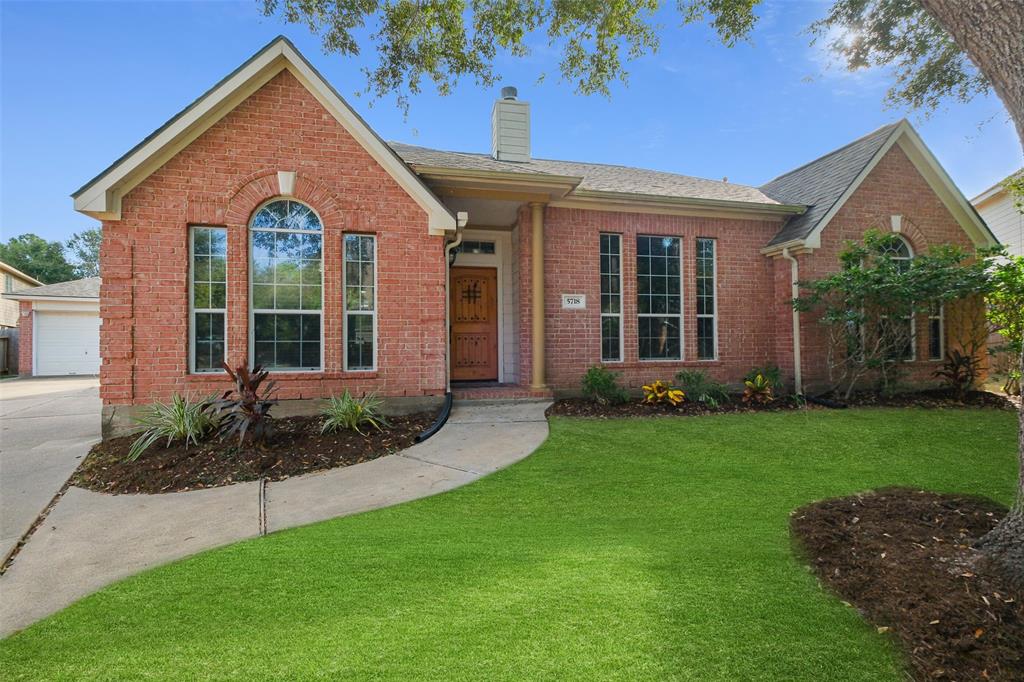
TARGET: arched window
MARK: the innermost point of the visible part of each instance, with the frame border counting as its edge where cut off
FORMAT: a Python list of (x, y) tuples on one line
[(286, 317), (902, 254)]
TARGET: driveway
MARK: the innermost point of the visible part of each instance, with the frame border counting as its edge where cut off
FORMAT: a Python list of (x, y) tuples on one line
[(46, 428)]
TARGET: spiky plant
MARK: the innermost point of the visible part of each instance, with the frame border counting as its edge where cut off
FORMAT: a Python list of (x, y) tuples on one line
[(349, 412), (181, 420)]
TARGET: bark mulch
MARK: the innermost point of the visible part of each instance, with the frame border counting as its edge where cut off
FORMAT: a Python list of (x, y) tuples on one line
[(296, 447), (933, 398), (582, 407), (904, 559)]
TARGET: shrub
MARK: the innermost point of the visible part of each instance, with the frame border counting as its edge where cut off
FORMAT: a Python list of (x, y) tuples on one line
[(245, 409), (602, 386), (701, 388), (758, 390), (182, 420), (659, 393), (960, 371), (350, 413), (770, 372)]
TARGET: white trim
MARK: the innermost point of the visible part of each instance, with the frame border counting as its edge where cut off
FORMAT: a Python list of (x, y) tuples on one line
[(682, 303), (933, 173), (191, 308), (35, 343), (252, 309), (346, 312), (714, 300), (622, 303), (101, 197)]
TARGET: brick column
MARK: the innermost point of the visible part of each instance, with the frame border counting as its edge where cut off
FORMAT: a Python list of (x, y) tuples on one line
[(537, 380)]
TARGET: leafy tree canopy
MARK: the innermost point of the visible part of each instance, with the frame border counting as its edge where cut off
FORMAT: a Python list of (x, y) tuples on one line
[(442, 41), (38, 258), (84, 248)]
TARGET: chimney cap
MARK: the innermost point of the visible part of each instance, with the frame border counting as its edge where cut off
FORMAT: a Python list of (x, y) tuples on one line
[(509, 92)]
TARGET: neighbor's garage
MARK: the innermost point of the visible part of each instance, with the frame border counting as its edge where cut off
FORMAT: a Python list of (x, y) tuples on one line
[(59, 328), (67, 342)]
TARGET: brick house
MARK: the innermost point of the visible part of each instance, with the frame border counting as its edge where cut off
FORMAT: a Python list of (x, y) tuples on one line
[(267, 223)]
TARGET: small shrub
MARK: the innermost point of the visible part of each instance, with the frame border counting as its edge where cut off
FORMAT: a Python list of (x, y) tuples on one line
[(659, 393), (770, 372), (959, 371), (181, 420), (1012, 384), (245, 409), (758, 390), (350, 413), (602, 386), (701, 388)]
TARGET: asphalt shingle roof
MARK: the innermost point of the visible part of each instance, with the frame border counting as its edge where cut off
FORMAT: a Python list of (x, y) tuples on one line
[(820, 183), (76, 288), (596, 176)]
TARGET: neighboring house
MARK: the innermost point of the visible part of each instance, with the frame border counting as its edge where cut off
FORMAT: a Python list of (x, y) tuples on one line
[(1006, 221), (59, 328), (14, 280), (267, 223)]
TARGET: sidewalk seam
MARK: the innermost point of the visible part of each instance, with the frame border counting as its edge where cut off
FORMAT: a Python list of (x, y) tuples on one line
[(438, 464)]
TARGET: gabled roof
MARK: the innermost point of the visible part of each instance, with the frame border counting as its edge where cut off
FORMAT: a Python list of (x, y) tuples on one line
[(101, 196), (995, 190), (18, 273), (826, 183), (76, 289), (594, 177)]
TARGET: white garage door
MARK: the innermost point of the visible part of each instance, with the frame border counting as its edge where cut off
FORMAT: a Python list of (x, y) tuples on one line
[(67, 343)]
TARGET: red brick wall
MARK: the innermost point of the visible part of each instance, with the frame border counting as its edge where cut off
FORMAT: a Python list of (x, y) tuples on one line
[(220, 179), (25, 314), (894, 187), (745, 287)]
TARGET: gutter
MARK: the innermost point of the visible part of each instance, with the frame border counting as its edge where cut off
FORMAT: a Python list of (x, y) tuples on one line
[(798, 382), (461, 220)]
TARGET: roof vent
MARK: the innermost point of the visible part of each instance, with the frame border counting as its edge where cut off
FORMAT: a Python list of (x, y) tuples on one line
[(510, 127)]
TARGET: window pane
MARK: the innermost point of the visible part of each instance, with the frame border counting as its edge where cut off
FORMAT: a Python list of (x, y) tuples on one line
[(659, 338), (706, 299), (360, 342), (610, 341)]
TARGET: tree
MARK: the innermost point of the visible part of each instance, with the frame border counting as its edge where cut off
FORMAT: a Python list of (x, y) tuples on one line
[(938, 49), (868, 304), (84, 248), (1006, 313), (38, 258)]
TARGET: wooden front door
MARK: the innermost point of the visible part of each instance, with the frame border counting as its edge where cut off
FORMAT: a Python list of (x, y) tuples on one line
[(474, 315)]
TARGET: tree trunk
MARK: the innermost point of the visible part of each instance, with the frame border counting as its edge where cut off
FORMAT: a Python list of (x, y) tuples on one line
[(991, 33)]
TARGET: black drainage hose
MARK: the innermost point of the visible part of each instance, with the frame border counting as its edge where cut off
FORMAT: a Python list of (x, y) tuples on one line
[(825, 402), (446, 410)]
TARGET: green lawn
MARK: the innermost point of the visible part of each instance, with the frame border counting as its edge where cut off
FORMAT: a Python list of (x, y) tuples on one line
[(640, 549)]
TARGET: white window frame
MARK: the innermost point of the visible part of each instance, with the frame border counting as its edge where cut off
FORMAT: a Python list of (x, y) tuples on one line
[(252, 309), (192, 310), (8, 283), (714, 296), (622, 300), (344, 302), (941, 317), (912, 318), (682, 303)]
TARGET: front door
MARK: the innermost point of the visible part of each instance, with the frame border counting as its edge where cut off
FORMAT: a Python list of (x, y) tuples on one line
[(474, 315)]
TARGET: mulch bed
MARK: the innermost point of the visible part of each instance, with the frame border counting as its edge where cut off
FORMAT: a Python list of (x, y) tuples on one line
[(296, 447), (931, 399), (582, 407), (904, 559)]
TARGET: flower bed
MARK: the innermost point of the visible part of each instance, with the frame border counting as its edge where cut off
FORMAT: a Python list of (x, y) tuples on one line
[(296, 446)]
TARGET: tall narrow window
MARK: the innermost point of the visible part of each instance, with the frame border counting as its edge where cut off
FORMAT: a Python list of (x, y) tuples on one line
[(707, 309), (208, 297), (611, 297), (659, 298), (287, 287), (903, 338), (937, 332), (360, 301)]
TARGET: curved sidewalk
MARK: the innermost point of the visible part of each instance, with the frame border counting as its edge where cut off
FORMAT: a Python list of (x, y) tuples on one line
[(91, 539)]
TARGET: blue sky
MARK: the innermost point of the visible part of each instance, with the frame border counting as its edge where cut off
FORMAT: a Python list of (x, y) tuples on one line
[(82, 82)]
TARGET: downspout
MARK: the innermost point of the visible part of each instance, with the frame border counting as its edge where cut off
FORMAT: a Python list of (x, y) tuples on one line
[(798, 382), (461, 219)]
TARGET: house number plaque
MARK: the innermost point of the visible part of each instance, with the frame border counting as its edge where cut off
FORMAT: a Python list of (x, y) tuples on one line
[(574, 301)]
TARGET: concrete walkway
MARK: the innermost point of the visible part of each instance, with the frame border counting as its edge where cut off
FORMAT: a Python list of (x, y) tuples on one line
[(46, 427), (90, 539)]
